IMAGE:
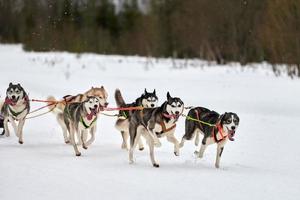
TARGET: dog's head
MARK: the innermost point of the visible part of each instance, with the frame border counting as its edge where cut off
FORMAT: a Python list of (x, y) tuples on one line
[(15, 93), (100, 93), (92, 105), (149, 99), (229, 122), (174, 105)]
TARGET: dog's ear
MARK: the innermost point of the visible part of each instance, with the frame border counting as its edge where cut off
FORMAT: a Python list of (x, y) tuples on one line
[(168, 96), (145, 92), (221, 118), (102, 87), (10, 84), (154, 92), (92, 88)]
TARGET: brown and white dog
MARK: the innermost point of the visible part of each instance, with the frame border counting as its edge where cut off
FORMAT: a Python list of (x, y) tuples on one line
[(58, 109), (216, 129)]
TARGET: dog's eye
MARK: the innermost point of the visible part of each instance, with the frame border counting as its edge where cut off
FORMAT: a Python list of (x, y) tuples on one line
[(172, 106), (101, 97), (18, 91), (228, 121)]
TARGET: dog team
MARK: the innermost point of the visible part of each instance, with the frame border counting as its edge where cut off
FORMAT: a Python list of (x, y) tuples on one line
[(77, 115)]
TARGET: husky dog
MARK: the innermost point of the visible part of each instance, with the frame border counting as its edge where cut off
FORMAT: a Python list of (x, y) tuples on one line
[(147, 100), (15, 108), (58, 109), (81, 118), (224, 129), (155, 123)]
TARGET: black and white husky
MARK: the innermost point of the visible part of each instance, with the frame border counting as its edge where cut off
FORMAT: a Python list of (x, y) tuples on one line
[(155, 123), (146, 100), (15, 108), (81, 118), (224, 129)]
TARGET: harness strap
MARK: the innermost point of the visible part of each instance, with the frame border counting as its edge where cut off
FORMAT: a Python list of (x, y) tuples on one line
[(164, 129), (16, 114), (85, 125), (219, 130), (198, 118)]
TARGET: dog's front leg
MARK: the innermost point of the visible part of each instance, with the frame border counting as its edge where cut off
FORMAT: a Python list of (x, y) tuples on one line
[(125, 136), (63, 127), (20, 130), (151, 130), (78, 136), (92, 139), (72, 137), (134, 138), (14, 125), (220, 149), (171, 138), (6, 130), (150, 143), (83, 138)]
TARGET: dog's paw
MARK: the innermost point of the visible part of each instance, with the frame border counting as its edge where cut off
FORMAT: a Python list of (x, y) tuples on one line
[(78, 154), (67, 141), (197, 154), (124, 146), (20, 141), (156, 165), (176, 153), (85, 147), (131, 162), (141, 148), (217, 166)]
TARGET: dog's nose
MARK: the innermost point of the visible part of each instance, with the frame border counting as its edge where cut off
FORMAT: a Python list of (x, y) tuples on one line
[(13, 97), (152, 105), (106, 104), (95, 106), (177, 112), (233, 128)]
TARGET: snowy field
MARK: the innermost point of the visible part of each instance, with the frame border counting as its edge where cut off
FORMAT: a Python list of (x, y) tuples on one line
[(262, 163)]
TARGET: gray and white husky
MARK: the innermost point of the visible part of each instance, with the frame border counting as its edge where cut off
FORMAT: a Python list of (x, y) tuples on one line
[(146, 100), (224, 129), (155, 123), (15, 109), (81, 118)]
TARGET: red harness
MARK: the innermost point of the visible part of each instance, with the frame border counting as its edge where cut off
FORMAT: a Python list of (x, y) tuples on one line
[(220, 130)]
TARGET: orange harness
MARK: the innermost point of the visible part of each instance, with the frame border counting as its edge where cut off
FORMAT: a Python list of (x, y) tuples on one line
[(165, 129), (220, 130)]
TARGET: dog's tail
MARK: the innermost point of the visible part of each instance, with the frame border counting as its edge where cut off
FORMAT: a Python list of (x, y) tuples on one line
[(119, 99), (55, 108)]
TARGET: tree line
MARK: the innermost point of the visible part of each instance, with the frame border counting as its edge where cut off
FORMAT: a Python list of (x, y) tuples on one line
[(245, 31)]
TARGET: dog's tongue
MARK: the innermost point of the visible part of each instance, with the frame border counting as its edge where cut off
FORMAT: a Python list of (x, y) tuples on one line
[(93, 113), (231, 135)]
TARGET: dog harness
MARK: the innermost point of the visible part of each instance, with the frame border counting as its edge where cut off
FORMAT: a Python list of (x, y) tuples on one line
[(11, 103), (213, 133), (85, 125), (165, 129), (219, 130)]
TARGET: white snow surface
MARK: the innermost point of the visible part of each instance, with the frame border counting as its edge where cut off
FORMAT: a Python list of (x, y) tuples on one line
[(262, 163)]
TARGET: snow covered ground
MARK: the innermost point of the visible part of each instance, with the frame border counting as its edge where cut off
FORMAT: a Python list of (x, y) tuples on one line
[(262, 163)]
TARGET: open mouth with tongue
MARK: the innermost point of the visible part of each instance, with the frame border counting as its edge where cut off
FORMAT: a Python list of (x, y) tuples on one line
[(231, 134), (94, 112)]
